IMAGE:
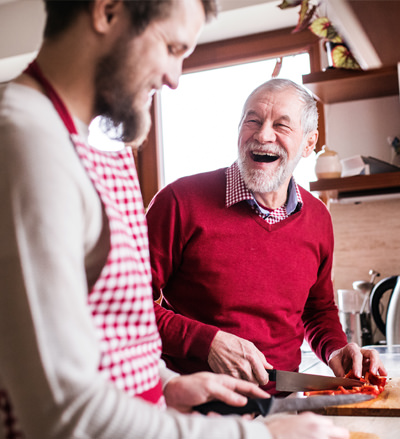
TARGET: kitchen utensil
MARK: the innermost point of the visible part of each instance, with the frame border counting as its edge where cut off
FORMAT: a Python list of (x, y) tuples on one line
[(265, 406), (365, 289), (349, 304), (303, 382), (390, 327)]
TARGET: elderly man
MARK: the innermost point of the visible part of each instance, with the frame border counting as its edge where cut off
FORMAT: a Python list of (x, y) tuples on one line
[(243, 256)]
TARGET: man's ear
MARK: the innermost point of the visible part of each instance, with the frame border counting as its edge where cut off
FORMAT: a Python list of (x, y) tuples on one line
[(310, 142), (104, 13)]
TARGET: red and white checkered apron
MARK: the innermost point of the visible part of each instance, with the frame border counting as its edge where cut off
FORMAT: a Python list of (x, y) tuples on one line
[(121, 300)]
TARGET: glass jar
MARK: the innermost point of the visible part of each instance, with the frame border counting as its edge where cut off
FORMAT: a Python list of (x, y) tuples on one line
[(328, 164)]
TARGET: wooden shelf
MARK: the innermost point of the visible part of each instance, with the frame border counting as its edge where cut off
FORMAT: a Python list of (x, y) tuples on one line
[(339, 85), (374, 184), (367, 26)]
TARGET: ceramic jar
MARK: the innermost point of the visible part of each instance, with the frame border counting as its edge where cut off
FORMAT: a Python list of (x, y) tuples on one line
[(327, 164)]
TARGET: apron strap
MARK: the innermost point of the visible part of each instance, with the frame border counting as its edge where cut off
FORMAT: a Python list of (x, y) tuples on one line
[(34, 71)]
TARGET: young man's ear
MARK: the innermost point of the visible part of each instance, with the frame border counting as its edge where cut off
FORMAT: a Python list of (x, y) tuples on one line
[(311, 141), (104, 13)]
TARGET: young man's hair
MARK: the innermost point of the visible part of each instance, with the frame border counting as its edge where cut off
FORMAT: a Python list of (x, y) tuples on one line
[(62, 13)]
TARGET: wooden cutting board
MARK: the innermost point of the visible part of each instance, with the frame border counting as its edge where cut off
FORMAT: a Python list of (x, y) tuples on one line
[(361, 435), (385, 404)]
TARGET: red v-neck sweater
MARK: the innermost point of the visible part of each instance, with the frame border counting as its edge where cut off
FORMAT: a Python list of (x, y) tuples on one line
[(226, 268)]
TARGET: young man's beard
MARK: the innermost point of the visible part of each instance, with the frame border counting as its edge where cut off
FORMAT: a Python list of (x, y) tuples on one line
[(121, 120)]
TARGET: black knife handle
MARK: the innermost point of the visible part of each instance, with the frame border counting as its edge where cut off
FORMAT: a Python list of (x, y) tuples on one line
[(271, 374), (257, 406)]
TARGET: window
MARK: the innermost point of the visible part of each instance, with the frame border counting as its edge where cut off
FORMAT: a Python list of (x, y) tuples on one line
[(100, 140), (199, 120), (217, 56)]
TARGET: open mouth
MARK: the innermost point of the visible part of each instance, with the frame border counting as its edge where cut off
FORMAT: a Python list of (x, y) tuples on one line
[(264, 157)]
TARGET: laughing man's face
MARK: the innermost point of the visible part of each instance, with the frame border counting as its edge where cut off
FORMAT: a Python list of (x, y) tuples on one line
[(270, 139)]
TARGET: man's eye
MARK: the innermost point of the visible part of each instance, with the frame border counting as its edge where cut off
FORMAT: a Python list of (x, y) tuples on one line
[(172, 50), (177, 50), (253, 121), (282, 125)]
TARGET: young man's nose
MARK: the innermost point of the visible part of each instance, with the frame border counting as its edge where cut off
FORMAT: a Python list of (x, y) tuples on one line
[(171, 77)]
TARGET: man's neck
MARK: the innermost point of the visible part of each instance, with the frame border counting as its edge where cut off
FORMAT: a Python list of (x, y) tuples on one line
[(72, 78), (273, 200)]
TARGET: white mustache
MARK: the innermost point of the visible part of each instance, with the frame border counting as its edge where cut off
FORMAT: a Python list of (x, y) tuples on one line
[(271, 148)]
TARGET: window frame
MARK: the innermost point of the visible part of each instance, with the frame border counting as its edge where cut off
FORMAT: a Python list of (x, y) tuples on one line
[(219, 54)]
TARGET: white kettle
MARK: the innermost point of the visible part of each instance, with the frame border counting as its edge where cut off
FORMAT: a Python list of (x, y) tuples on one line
[(392, 326)]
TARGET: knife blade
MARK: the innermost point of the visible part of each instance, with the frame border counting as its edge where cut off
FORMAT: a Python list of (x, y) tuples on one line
[(264, 406), (303, 382)]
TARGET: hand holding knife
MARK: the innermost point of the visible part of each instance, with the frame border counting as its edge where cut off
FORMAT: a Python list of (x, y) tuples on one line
[(268, 406), (291, 382)]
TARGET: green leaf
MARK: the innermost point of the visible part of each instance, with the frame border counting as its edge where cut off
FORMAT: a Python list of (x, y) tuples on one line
[(323, 28), (342, 58), (289, 4)]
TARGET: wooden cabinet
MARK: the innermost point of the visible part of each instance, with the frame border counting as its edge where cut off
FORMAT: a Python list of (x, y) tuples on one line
[(368, 26), (339, 85)]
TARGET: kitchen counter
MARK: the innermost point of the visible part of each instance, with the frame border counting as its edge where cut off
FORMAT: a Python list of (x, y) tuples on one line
[(384, 427)]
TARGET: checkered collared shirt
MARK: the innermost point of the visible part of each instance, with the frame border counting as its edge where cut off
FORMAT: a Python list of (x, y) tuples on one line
[(237, 191)]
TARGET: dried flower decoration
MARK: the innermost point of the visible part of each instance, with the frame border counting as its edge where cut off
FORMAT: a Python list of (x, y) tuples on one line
[(339, 55)]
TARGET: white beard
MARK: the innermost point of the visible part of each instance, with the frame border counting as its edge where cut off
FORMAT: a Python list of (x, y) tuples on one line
[(270, 180)]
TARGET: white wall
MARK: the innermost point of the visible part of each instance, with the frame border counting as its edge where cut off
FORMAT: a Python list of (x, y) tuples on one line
[(21, 24), (21, 27), (362, 127)]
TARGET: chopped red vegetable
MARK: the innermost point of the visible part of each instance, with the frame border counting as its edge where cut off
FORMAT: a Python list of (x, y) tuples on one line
[(370, 384)]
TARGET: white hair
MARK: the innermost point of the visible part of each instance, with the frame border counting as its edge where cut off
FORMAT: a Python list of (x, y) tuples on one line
[(309, 115)]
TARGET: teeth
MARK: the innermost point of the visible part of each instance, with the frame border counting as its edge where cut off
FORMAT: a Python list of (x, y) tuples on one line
[(264, 157), (265, 153)]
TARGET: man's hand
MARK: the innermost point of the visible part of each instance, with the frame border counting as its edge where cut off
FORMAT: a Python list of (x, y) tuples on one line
[(239, 358), (360, 360), (185, 391), (305, 426)]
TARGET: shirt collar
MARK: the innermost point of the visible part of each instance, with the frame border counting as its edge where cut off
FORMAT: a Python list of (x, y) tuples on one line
[(237, 191)]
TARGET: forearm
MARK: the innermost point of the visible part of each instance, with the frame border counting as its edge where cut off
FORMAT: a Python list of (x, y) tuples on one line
[(322, 326), (323, 329), (325, 335)]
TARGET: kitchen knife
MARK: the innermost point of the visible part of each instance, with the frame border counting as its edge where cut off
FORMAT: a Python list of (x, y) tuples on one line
[(303, 382), (264, 406)]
